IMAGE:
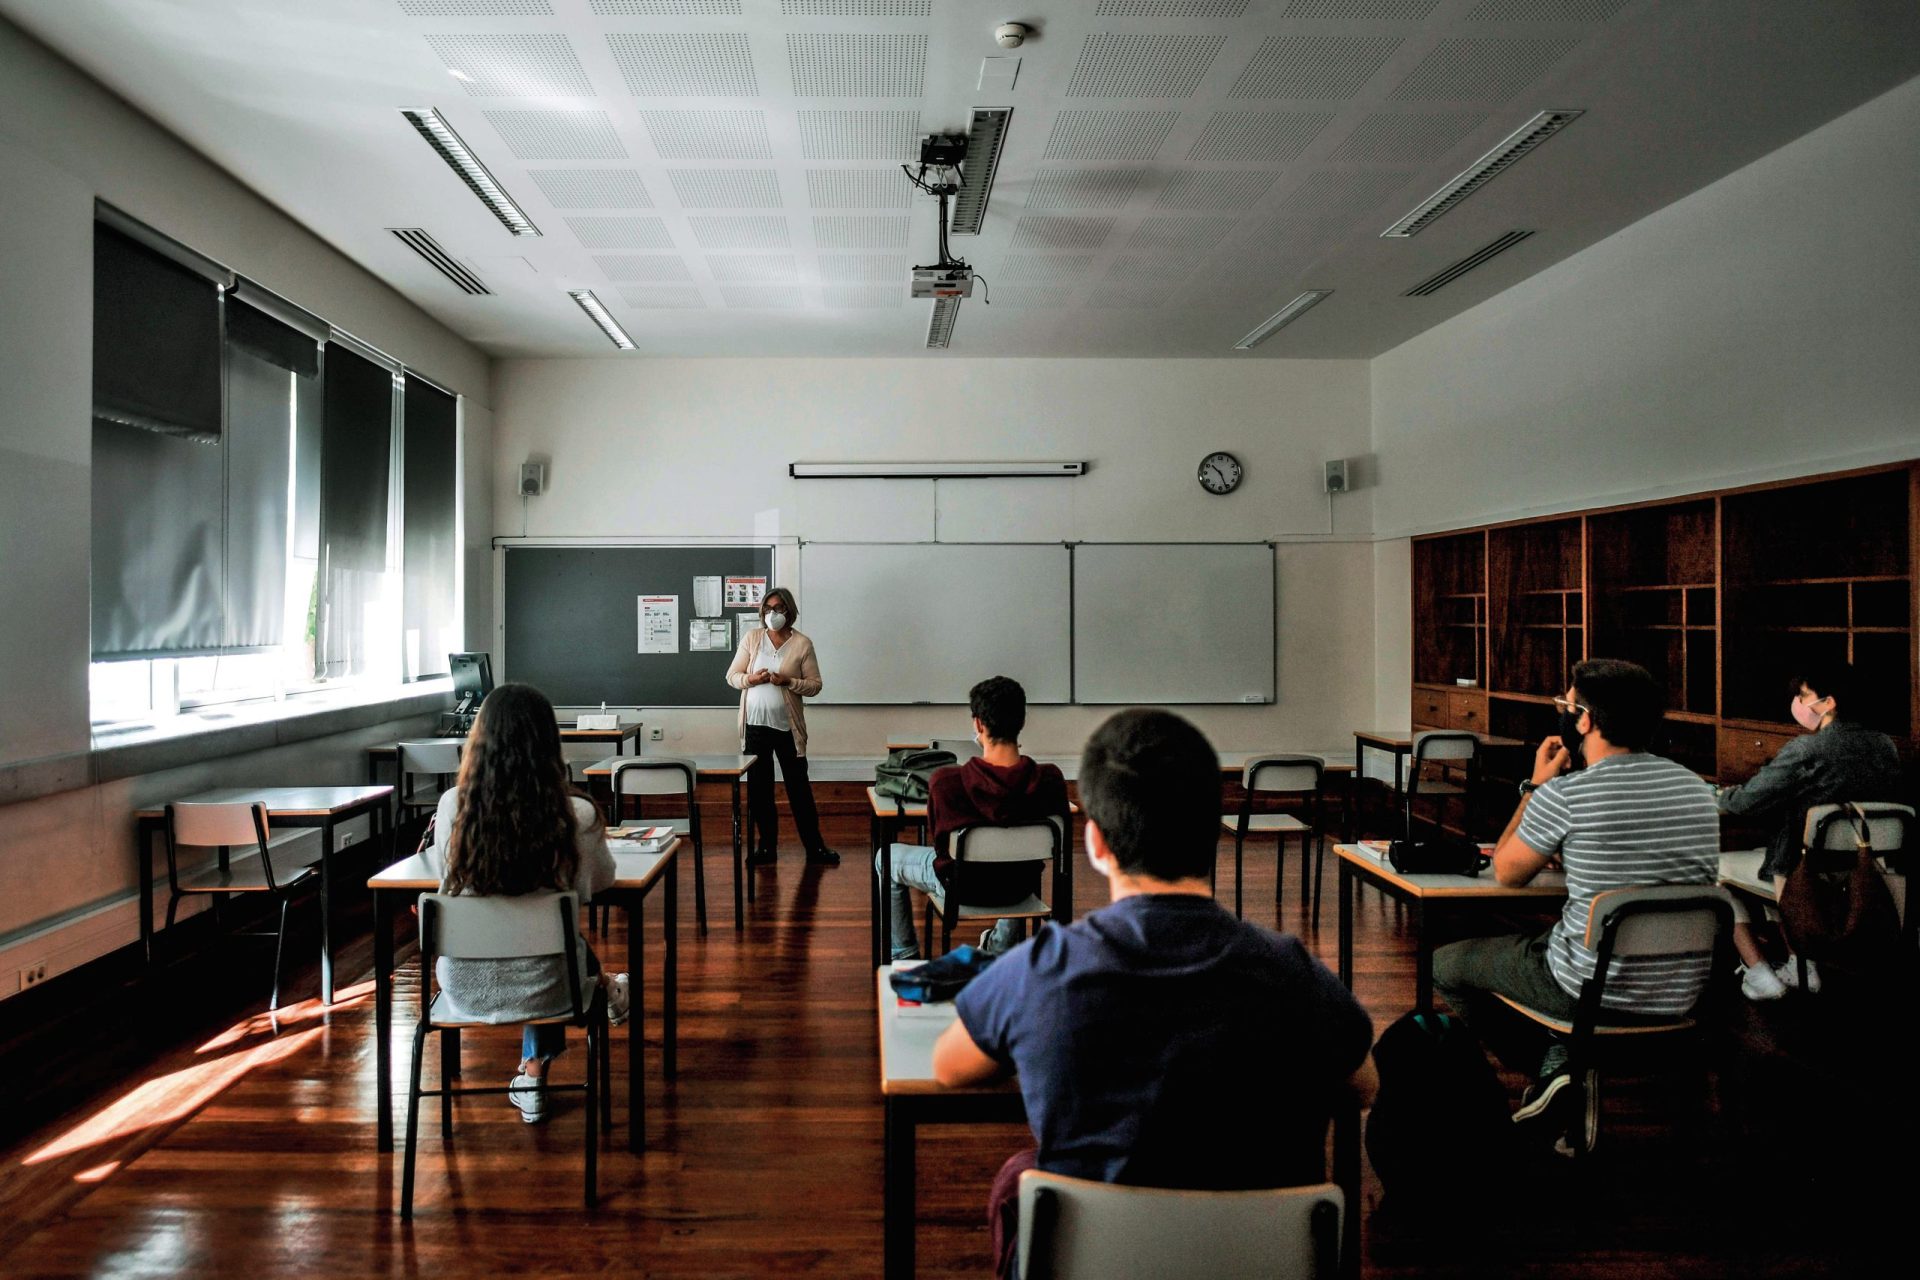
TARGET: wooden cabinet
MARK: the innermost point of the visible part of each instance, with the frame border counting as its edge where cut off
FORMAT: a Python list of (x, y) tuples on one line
[(1743, 750), (1467, 711), (1430, 709)]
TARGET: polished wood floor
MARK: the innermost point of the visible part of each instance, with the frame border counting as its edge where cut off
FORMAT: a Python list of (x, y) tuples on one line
[(243, 1145)]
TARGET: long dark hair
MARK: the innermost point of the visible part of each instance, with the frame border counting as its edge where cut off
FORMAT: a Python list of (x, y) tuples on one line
[(514, 825)]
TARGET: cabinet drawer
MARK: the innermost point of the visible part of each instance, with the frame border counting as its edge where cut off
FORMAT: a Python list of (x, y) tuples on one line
[(1743, 751), (1430, 708), (1467, 711)]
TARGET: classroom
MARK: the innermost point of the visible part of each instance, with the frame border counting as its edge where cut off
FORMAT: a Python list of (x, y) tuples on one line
[(1122, 638)]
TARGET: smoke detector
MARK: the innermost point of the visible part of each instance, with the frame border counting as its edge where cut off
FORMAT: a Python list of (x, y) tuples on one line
[(1012, 35)]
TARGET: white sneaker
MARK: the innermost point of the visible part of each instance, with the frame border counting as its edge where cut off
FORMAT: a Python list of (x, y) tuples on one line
[(619, 999), (529, 1097), (1789, 975), (1759, 982)]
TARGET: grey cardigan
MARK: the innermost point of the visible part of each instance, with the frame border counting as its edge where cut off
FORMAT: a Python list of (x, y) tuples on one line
[(1843, 761)]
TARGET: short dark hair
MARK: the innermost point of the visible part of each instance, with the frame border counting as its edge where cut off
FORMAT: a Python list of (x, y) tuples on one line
[(1625, 699), (1831, 679), (1151, 782), (793, 606), (1000, 705)]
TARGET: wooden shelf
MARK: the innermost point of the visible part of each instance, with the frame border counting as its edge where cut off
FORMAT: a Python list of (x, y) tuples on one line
[(1666, 586), (1837, 631), (1822, 582)]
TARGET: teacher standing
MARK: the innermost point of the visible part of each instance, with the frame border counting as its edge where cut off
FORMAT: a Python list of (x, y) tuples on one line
[(774, 668)]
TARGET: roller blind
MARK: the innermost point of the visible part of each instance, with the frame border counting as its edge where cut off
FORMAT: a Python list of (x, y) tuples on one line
[(267, 362), (429, 629), (356, 441), (156, 341)]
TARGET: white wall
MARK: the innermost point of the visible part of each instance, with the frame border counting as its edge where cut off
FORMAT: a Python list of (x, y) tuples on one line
[(699, 448), (1766, 326)]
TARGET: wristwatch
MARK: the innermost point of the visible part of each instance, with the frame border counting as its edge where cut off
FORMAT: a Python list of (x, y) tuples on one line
[(1528, 787)]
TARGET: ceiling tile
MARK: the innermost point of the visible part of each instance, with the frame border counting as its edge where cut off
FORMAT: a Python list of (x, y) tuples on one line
[(1057, 231), (1340, 195), (592, 188), (1129, 293), (665, 8), (1547, 10), (1216, 188), (1188, 234), (1401, 139), (1108, 135), (863, 296), (621, 233), (711, 64), (759, 297), (1028, 268), (852, 231), (857, 8), (846, 64), (643, 266), (522, 65), (1170, 8), (1037, 296), (558, 135), (860, 135), (1115, 65), (1151, 267), (1318, 67), (670, 297), (476, 8), (1270, 136), (1362, 10), (1481, 70), (709, 135), (726, 188), (855, 267), (1083, 188), (858, 188), (745, 268), (747, 232)]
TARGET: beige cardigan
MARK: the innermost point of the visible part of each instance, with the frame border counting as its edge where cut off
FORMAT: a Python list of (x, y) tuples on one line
[(796, 661)]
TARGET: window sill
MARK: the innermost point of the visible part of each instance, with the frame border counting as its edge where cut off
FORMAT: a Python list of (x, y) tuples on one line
[(230, 730)]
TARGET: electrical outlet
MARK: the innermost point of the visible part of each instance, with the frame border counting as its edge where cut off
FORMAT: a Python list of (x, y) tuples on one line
[(653, 734), (33, 975)]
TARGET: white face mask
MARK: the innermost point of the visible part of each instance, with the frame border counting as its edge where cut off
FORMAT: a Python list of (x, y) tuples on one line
[(776, 621)]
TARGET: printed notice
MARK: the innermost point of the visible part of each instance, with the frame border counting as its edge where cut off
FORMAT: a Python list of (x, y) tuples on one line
[(745, 593), (706, 597), (709, 635), (659, 624)]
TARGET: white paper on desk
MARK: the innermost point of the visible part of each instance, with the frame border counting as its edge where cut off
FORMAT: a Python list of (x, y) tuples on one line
[(659, 624), (709, 635)]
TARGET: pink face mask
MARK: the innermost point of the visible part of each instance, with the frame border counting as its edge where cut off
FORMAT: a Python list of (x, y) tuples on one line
[(1808, 718)]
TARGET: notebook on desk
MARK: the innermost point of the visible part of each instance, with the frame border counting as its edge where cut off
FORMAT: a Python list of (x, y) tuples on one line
[(639, 839)]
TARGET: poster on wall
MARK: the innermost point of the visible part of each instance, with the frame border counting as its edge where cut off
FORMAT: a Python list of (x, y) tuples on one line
[(659, 624), (745, 593), (709, 635), (706, 596)]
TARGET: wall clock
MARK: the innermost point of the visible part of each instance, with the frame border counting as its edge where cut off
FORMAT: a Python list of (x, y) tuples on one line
[(1220, 473)]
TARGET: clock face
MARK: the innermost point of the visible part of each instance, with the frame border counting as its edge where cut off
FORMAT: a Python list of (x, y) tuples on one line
[(1220, 473)]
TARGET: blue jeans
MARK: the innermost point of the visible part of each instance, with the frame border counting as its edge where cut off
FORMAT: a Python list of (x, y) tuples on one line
[(913, 869), (542, 1041)]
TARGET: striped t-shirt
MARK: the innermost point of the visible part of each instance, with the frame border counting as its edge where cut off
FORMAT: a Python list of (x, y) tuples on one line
[(1624, 822)]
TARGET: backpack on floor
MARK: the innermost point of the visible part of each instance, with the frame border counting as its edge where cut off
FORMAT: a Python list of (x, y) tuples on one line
[(906, 773), (1440, 1133)]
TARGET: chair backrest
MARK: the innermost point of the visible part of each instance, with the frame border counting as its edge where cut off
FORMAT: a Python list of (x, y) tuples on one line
[(1830, 828), (1282, 774), (214, 825), (1659, 920), (438, 757), (1444, 744), (1075, 1229), (1019, 842), (964, 749), (503, 927), (654, 776)]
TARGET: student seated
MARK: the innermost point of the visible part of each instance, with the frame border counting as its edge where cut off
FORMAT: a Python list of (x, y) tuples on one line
[(1622, 818), (1159, 1041), (514, 825), (1000, 785), (1837, 760)]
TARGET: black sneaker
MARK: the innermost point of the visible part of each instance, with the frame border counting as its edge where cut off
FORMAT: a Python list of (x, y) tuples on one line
[(823, 857), (761, 857), (1543, 1100)]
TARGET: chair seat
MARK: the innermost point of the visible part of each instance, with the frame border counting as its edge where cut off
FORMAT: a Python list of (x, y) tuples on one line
[(245, 875), (436, 1016), (1565, 1025), (1265, 822), (1028, 908), (421, 796), (1441, 789)]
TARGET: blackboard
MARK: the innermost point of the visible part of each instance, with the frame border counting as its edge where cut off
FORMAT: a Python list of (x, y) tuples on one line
[(572, 623)]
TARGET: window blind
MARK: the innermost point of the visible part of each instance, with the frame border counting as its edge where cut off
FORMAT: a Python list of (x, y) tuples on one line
[(356, 441), (428, 626)]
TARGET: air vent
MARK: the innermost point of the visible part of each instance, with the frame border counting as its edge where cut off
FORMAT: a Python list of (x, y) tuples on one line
[(1282, 318), (1482, 171), (986, 135), (946, 313), (427, 247), (1441, 279)]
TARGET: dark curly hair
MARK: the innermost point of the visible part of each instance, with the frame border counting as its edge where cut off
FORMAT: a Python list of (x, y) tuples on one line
[(514, 826)]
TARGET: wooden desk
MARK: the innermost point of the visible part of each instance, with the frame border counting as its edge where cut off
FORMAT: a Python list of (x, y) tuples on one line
[(1740, 870), (707, 768), (383, 754), (635, 875), (912, 1097), (888, 816), (1423, 895), (324, 808)]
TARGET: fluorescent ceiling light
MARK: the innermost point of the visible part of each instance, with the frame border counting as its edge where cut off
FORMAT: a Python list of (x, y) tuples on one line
[(1282, 318), (930, 470), (946, 312), (602, 317), (1482, 171), (986, 136), (441, 137)]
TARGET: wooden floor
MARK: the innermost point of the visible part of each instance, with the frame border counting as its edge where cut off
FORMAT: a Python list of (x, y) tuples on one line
[(247, 1150)]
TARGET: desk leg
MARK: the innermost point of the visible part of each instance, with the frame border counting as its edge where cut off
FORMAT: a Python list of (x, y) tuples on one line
[(739, 879), (670, 1014), (882, 894), (1422, 959), (1346, 923), (898, 1208), (636, 1024), (326, 913), (384, 901), (1400, 796), (143, 853)]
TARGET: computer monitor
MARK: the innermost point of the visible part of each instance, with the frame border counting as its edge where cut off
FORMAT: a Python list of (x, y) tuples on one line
[(472, 679)]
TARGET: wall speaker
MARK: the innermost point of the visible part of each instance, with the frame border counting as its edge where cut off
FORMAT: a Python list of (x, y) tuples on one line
[(1337, 476), (533, 476)]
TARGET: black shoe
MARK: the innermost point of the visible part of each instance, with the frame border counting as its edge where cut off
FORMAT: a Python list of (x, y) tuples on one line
[(823, 857), (1552, 1110), (1546, 1100), (761, 857)]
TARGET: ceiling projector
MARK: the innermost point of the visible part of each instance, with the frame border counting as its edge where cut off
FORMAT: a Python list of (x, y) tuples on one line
[(944, 280)]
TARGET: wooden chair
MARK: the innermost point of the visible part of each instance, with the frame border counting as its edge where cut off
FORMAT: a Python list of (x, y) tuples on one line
[(1076, 1229), (227, 827), (1268, 780), (1445, 747), (437, 760), (963, 749), (1043, 841), (1657, 920), (669, 776), (528, 926)]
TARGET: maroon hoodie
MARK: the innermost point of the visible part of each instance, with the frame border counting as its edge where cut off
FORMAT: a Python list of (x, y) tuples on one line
[(976, 792)]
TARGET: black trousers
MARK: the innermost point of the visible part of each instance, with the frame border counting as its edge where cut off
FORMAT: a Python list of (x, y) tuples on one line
[(769, 745)]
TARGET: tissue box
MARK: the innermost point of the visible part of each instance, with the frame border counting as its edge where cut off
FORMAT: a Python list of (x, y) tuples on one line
[(598, 720)]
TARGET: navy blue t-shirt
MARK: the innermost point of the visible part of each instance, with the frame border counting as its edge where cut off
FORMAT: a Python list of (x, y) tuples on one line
[(1161, 1042)]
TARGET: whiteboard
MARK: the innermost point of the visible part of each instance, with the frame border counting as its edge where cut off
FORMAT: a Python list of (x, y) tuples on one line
[(1173, 622), (925, 622)]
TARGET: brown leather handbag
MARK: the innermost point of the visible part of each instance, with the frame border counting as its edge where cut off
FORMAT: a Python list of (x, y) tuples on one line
[(1845, 920)]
